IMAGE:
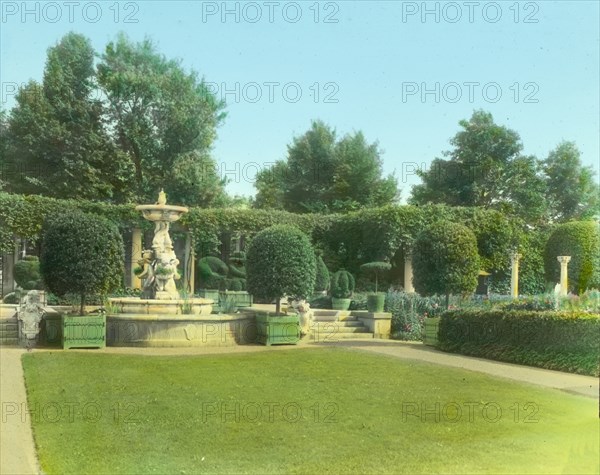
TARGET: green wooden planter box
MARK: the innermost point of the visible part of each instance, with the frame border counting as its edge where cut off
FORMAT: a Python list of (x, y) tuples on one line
[(83, 332), (431, 331), (209, 294), (340, 304), (273, 330), (242, 298)]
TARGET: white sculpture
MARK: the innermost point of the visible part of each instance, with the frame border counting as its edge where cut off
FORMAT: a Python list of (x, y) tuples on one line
[(30, 314), (305, 315)]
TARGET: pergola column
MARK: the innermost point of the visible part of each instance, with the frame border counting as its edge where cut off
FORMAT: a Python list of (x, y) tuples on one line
[(514, 274), (564, 278), (136, 255), (408, 274)]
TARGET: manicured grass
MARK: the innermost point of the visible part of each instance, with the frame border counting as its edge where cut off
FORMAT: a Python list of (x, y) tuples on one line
[(358, 413)]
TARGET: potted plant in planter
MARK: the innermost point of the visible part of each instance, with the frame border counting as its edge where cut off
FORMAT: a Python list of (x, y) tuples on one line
[(280, 261), (375, 301), (342, 287), (212, 272), (82, 254)]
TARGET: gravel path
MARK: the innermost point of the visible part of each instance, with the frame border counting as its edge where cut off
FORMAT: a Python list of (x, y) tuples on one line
[(17, 451)]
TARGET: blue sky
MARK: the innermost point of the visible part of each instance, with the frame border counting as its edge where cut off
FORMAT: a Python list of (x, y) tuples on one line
[(404, 73)]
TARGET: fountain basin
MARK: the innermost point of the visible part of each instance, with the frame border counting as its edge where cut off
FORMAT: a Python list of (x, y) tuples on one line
[(155, 330), (134, 305), (167, 213)]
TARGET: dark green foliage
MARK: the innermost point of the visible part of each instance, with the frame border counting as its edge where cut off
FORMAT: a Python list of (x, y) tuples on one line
[(216, 265), (235, 285), (581, 241), (322, 301), (445, 260), (342, 284), (564, 341), (239, 272), (12, 298), (82, 254), (322, 281), (375, 268), (27, 273), (280, 261), (325, 174)]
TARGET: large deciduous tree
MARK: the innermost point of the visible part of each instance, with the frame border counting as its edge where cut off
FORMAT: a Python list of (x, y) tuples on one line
[(484, 168), (165, 120), (324, 174), (57, 144), (572, 190)]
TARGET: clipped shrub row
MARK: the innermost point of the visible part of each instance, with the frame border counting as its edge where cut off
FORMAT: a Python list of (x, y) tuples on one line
[(564, 341)]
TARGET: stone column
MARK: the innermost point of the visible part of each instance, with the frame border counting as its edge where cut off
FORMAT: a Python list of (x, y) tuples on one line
[(136, 255), (514, 274), (190, 265), (564, 279), (408, 274)]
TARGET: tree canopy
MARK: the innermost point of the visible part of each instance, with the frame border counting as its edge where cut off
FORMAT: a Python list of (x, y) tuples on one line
[(118, 131), (325, 174), (486, 168)]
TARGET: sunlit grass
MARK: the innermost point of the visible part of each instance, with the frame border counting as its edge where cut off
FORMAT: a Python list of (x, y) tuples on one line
[(297, 411)]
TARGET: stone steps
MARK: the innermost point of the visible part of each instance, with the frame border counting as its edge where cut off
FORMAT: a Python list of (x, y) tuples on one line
[(333, 325), (9, 332)]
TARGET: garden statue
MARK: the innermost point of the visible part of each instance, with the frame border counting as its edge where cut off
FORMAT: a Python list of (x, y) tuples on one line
[(305, 315), (146, 275), (159, 266), (30, 315)]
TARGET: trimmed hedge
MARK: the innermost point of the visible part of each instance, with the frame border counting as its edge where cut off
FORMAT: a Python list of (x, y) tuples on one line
[(347, 240), (564, 341), (581, 241)]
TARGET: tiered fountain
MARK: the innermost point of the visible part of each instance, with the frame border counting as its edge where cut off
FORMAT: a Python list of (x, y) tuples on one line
[(161, 317)]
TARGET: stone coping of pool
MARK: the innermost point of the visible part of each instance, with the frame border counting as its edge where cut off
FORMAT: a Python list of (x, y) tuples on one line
[(213, 317), (181, 301)]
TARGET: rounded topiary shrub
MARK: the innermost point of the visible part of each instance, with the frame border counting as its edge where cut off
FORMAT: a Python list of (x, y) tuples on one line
[(445, 260), (323, 278), (81, 254), (280, 261), (27, 273), (581, 241), (342, 284)]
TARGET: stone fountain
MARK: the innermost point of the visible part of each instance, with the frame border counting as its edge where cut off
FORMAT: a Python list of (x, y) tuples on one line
[(160, 316), (159, 265)]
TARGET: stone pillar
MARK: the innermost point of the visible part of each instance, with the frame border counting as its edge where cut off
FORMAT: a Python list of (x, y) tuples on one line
[(136, 255), (190, 265), (514, 274), (8, 266), (564, 279), (408, 274)]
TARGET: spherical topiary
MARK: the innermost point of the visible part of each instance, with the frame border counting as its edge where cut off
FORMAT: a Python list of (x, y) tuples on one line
[(445, 260), (581, 241), (280, 261), (342, 284), (82, 254), (27, 273), (323, 279)]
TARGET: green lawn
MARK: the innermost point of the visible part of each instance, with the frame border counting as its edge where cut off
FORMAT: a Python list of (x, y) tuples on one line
[(297, 411)]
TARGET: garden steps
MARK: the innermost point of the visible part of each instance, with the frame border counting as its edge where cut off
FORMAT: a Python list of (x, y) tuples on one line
[(333, 325), (9, 332)]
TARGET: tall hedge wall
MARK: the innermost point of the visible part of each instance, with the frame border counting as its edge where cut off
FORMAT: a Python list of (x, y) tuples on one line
[(347, 240)]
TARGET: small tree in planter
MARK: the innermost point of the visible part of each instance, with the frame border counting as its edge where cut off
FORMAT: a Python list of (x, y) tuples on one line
[(375, 301), (81, 254), (445, 260), (27, 273), (280, 261), (342, 287)]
